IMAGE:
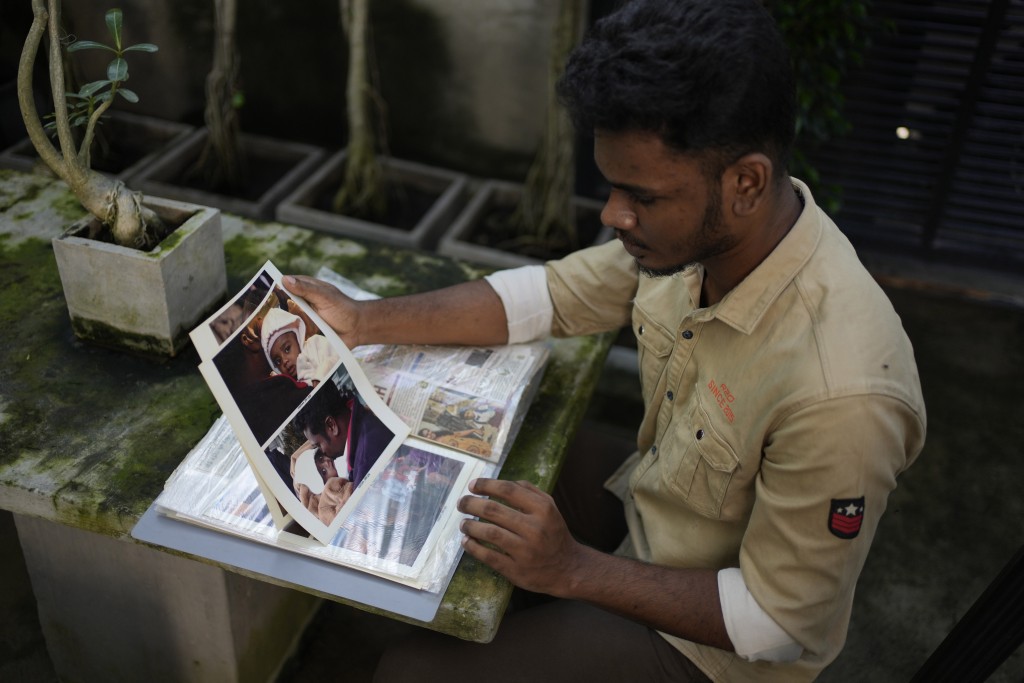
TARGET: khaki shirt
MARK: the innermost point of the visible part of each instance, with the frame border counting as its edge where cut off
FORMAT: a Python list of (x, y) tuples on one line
[(768, 416)]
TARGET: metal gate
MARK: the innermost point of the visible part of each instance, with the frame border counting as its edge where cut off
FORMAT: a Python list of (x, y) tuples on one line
[(934, 162)]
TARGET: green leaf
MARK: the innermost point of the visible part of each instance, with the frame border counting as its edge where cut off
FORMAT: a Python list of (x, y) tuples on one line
[(88, 45), (114, 24), (90, 89), (117, 70), (128, 95), (142, 47)]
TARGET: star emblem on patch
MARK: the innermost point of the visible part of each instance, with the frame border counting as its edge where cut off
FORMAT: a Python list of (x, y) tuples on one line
[(845, 517)]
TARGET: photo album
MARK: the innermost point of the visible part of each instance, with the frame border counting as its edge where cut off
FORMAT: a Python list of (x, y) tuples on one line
[(356, 457)]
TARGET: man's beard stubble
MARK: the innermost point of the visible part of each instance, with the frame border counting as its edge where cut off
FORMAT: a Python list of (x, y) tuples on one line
[(706, 244)]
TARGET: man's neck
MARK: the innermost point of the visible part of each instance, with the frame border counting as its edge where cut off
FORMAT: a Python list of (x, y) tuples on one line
[(722, 274)]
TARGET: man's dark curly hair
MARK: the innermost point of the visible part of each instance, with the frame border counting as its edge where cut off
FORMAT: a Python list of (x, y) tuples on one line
[(710, 77), (328, 401)]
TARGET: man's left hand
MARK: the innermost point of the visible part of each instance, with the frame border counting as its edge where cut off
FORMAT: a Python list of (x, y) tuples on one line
[(521, 534)]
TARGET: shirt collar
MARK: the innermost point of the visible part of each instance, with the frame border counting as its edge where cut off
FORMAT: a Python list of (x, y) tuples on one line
[(745, 306)]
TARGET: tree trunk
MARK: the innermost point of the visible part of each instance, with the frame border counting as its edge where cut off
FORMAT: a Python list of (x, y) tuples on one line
[(221, 162), (361, 191), (545, 214)]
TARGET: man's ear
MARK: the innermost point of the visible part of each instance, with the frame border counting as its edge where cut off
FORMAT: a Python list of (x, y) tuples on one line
[(746, 183), (331, 426)]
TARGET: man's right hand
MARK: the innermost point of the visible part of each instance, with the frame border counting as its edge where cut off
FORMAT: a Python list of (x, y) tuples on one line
[(338, 310), (468, 314)]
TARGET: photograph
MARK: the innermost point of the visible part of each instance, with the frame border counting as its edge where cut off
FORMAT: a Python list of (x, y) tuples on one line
[(401, 509), (223, 324), (466, 423), (274, 362), (339, 440)]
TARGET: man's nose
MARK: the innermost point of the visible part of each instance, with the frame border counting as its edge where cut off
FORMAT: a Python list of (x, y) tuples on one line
[(617, 213)]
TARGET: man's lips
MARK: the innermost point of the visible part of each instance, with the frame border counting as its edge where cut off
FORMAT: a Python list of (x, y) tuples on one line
[(631, 245)]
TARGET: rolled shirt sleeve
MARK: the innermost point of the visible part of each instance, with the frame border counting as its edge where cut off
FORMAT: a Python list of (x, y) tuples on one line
[(524, 294)]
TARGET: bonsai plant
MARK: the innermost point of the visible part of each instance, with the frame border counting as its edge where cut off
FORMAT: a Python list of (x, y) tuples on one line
[(360, 193), (173, 283), (131, 224), (124, 143)]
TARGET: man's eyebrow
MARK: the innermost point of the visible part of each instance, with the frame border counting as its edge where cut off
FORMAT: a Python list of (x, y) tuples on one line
[(635, 189)]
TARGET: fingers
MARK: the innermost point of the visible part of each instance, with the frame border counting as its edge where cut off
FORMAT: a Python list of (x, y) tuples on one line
[(510, 515), (522, 536), (521, 495), (303, 285), (337, 310)]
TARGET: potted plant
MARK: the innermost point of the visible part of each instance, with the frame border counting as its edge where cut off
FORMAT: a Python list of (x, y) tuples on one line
[(171, 253), (360, 193), (220, 165)]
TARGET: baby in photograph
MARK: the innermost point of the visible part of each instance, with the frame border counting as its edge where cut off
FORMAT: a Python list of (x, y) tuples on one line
[(318, 485), (290, 352)]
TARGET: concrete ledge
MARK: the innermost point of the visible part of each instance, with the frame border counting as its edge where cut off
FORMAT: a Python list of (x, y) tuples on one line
[(115, 610)]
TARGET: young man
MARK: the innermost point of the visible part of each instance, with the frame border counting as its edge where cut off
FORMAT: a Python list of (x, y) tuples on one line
[(781, 394)]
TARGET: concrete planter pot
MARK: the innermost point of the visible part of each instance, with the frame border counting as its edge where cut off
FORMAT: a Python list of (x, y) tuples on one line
[(463, 239), (135, 141), (275, 168), (431, 198), (145, 302)]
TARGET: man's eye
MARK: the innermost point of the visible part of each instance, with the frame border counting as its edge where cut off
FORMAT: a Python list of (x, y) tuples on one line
[(641, 199)]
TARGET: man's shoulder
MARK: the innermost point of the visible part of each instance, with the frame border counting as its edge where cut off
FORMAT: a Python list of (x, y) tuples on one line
[(858, 333)]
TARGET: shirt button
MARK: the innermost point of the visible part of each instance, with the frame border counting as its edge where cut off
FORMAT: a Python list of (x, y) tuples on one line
[(687, 334), (699, 434), (640, 330), (669, 395), (654, 449)]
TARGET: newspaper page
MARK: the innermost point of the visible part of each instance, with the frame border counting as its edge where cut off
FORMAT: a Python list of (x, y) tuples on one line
[(457, 397)]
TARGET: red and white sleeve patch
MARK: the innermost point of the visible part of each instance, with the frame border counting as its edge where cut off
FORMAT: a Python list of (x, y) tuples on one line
[(845, 516)]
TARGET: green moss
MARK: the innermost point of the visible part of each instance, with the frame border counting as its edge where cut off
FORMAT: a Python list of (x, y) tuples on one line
[(537, 453), (169, 242), (27, 187), (103, 334), (148, 455), (69, 208), (119, 423), (396, 268)]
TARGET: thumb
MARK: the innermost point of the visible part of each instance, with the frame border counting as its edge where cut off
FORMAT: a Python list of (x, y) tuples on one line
[(298, 284)]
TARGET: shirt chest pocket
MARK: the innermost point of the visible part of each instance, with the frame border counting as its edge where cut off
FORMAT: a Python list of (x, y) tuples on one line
[(654, 344), (696, 463)]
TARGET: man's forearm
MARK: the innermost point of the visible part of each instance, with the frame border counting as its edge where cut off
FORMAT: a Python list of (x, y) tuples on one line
[(680, 602), (469, 314)]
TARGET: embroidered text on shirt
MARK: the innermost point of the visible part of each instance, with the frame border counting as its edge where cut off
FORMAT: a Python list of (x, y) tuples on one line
[(723, 397)]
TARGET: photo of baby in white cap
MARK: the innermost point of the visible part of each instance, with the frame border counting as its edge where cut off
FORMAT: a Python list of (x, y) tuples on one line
[(290, 352)]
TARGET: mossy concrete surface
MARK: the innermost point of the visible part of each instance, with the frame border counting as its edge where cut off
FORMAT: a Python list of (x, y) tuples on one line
[(88, 436)]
